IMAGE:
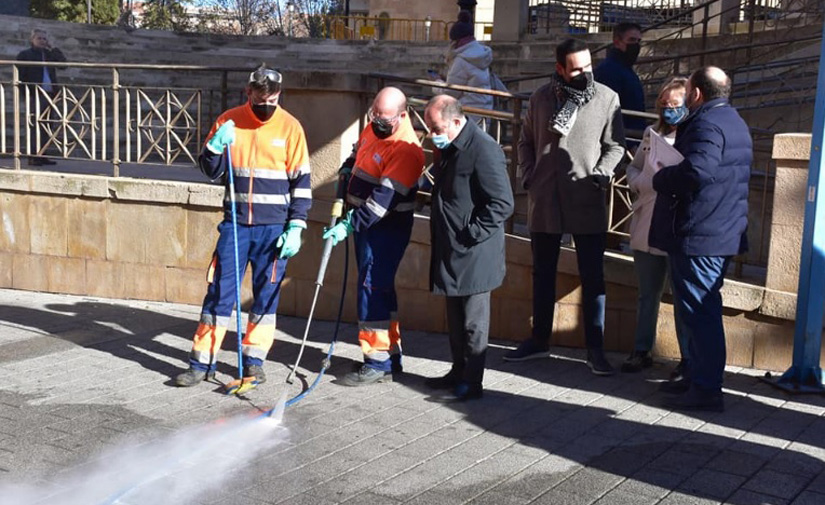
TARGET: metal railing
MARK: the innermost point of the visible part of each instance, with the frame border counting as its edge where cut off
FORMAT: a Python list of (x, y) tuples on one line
[(396, 29), (119, 122), (583, 16), (504, 126)]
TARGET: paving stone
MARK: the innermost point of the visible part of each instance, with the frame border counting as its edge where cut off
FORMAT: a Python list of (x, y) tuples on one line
[(554, 497), (681, 498), (738, 463), (799, 459), (622, 498), (809, 498), (778, 484), (650, 482), (589, 482), (712, 484), (745, 497), (818, 484)]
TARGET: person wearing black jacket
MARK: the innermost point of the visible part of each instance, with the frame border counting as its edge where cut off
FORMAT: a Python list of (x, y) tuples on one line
[(45, 77), (700, 219), (471, 200)]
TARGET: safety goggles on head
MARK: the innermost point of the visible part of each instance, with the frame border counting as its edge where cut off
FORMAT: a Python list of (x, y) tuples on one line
[(266, 73), (375, 118)]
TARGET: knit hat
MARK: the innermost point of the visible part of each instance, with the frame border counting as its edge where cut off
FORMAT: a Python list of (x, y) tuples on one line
[(463, 27)]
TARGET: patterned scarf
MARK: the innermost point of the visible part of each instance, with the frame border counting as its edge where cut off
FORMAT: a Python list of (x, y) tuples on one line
[(572, 99)]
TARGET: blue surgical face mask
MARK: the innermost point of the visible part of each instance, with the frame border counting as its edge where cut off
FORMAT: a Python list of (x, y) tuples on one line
[(441, 141), (674, 115)]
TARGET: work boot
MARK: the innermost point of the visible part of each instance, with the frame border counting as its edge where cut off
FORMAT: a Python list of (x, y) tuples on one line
[(531, 348), (598, 363), (193, 377), (255, 371), (365, 376), (637, 361)]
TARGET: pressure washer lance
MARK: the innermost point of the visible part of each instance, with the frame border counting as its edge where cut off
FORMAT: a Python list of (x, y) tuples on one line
[(337, 212)]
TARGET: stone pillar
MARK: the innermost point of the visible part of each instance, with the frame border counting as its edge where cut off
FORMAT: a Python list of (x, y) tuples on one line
[(509, 20), (792, 153), (717, 24)]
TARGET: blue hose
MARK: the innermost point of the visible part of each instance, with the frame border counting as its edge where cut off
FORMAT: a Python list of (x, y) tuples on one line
[(237, 261)]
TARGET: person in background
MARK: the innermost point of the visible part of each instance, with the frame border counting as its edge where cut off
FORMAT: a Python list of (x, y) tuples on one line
[(468, 65), (650, 263), (616, 72), (45, 77)]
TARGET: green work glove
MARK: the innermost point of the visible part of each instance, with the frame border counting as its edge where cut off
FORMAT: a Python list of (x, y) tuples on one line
[(340, 231), (222, 138), (290, 240)]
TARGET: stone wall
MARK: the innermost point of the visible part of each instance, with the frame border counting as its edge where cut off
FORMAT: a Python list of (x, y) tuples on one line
[(150, 240)]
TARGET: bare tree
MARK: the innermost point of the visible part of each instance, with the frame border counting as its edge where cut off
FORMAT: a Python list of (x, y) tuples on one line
[(313, 15), (242, 17)]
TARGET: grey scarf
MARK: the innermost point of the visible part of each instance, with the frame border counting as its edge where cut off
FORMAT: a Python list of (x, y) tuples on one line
[(571, 99)]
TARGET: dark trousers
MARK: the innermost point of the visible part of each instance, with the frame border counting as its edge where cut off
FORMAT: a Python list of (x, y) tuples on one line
[(468, 319), (698, 281), (590, 256)]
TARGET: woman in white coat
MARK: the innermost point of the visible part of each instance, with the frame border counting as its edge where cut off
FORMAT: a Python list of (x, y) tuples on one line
[(651, 264)]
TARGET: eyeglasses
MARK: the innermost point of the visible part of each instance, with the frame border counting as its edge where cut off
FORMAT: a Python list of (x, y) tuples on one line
[(266, 73), (375, 118)]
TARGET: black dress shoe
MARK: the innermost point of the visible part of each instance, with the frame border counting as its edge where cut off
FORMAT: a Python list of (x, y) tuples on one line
[(462, 392), (696, 399), (675, 387), (47, 161), (36, 162), (446, 382)]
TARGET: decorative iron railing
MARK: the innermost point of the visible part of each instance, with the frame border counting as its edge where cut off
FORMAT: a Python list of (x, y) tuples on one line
[(117, 122)]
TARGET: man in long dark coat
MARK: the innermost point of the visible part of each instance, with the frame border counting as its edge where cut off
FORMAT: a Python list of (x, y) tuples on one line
[(472, 199)]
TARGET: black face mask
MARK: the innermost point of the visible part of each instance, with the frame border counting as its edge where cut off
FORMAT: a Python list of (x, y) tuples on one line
[(581, 81), (631, 54), (381, 129), (263, 111)]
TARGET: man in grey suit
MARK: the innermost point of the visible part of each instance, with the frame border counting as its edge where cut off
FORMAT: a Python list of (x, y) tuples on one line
[(472, 199), (571, 143)]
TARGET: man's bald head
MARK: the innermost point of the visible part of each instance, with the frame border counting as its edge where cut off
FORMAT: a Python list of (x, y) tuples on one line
[(706, 84), (389, 102), (444, 116), (446, 106)]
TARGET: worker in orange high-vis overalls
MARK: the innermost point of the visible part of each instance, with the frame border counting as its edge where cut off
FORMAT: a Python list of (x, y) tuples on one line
[(270, 163), (386, 165)]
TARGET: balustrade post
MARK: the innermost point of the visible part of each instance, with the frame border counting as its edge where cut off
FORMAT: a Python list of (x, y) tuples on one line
[(116, 122), (516, 129), (224, 90), (15, 79), (704, 34)]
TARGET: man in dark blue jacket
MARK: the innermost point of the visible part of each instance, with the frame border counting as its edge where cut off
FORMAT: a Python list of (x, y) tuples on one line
[(616, 72), (701, 219)]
